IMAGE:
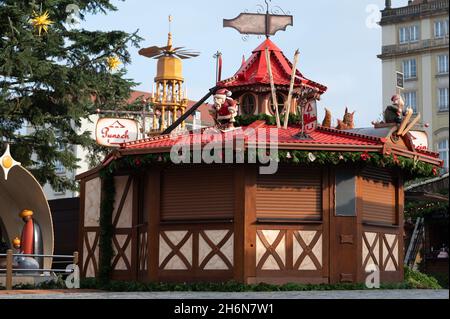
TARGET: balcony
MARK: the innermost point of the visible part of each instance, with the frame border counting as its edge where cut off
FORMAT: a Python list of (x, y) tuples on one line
[(395, 15), (414, 47)]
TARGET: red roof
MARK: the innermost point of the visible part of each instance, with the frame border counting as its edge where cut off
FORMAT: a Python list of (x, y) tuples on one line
[(323, 138), (254, 70)]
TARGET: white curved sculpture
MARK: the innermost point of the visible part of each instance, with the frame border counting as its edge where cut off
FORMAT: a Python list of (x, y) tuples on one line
[(22, 191)]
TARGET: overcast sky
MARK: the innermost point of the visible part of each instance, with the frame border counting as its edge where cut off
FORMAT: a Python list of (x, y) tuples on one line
[(338, 42)]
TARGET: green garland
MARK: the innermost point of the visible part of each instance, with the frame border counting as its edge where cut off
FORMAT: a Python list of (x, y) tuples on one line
[(106, 227), (411, 168)]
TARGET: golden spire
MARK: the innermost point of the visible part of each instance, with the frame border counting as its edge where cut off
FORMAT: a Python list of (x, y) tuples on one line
[(169, 40)]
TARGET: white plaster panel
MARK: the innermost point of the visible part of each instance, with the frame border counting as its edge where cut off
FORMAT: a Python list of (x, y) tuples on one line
[(271, 264), (307, 264), (175, 262), (126, 216), (390, 263), (92, 203), (216, 263), (121, 265)]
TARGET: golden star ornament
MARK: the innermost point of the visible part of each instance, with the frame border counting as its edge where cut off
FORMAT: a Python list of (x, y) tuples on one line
[(41, 22)]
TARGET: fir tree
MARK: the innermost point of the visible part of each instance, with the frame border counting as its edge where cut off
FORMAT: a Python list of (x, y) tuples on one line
[(51, 80)]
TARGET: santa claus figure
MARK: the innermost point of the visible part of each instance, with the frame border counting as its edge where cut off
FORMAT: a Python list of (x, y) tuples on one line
[(225, 109), (394, 113)]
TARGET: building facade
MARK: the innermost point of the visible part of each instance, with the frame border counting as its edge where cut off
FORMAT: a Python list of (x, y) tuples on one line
[(415, 41)]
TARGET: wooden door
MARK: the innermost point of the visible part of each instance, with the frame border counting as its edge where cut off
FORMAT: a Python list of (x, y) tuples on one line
[(343, 227)]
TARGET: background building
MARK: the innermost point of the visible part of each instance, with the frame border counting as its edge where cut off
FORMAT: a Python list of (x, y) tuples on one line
[(415, 41)]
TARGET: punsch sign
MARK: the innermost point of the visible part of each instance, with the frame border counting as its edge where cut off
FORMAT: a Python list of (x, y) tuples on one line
[(112, 132)]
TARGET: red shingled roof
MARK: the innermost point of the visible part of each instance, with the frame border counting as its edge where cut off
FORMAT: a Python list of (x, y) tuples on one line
[(323, 138), (254, 70)]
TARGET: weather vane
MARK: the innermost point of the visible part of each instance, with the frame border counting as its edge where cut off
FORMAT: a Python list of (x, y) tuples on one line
[(268, 23)]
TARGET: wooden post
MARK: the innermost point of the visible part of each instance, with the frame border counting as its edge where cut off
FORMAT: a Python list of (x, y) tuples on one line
[(274, 91), (75, 258), (291, 90), (9, 267)]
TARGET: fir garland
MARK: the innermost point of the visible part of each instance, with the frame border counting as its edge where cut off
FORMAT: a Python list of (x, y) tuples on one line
[(410, 168), (106, 227)]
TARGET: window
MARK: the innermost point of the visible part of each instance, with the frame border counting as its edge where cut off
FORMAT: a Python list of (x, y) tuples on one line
[(409, 34), (59, 168), (59, 193), (443, 99), (410, 68), (411, 100), (345, 193), (248, 104), (280, 100), (441, 29), (443, 64), (443, 152)]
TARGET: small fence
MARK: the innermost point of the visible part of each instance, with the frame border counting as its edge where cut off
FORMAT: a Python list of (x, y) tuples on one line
[(10, 271)]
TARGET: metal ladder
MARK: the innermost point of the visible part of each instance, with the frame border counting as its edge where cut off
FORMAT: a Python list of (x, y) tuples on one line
[(415, 242)]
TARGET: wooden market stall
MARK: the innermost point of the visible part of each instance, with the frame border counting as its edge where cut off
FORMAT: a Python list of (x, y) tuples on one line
[(332, 210)]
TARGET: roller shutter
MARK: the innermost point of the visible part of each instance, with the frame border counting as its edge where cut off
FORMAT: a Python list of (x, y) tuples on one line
[(291, 193), (197, 193), (379, 196)]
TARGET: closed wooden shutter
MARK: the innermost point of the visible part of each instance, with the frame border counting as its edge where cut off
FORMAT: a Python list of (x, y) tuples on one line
[(197, 193), (292, 193), (379, 196)]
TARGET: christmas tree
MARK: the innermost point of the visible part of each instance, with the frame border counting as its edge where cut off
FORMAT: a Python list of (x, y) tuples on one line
[(53, 75)]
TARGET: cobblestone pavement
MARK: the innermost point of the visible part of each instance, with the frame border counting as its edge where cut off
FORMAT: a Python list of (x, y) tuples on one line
[(373, 294)]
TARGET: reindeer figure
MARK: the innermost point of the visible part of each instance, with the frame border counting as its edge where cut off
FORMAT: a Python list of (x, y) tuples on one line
[(328, 119), (348, 122)]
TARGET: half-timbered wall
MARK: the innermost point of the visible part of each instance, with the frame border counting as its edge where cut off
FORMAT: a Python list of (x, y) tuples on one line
[(196, 253), (123, 218), (220, 223), (90, 222), (288, 226)]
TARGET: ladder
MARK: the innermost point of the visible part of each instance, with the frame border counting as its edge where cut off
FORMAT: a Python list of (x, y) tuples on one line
[(415, 242)]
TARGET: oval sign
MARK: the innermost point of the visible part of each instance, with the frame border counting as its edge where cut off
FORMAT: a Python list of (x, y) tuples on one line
[(112, 132)]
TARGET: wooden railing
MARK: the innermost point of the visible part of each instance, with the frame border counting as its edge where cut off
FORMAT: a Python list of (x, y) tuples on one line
[(10, 261)]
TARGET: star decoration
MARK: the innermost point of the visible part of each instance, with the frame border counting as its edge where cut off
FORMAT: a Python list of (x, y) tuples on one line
[(113, 63), (7, 162), (41, 22)]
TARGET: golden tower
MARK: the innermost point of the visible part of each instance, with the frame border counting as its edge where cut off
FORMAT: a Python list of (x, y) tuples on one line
[(169, 98)]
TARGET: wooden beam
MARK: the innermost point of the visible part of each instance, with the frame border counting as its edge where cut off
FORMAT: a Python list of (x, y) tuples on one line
[(189, 112), (411, 125), (274, 90), (291, 89), (405, 122), (153, 191), (9, 269)]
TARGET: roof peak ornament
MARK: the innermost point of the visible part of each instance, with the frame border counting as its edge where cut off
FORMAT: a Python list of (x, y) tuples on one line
[(268, 23), (7, 162)]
